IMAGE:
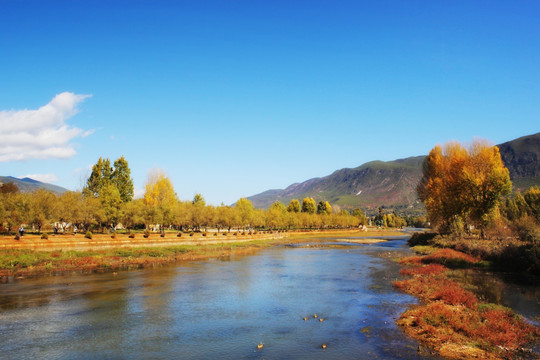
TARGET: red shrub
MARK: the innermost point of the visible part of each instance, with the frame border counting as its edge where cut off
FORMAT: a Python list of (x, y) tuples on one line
[(450, 258), (429, 288), (502, 327), (431, 269), (411, 260), (452, 293)]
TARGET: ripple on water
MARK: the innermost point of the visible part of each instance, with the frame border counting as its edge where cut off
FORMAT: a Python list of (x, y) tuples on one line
[(218, 309)]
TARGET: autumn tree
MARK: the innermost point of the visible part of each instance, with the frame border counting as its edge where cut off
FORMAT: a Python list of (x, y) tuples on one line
[(133, 213), (226, 217), (159, 198), (110, 210), (359, 214), (294, 206), (276, 215), (462, 185), (8, 188), (532, 198), (43, 207), (309, 205), (259, 218), (245, 211), (198, 211), (17, 209), (324, 208), (71, 207), (182, 214)]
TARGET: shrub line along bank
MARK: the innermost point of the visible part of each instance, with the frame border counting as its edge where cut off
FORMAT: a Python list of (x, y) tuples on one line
[(451, 319)]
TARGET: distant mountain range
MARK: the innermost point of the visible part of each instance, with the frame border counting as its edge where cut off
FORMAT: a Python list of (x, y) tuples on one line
[(392, 184), (29, 185)]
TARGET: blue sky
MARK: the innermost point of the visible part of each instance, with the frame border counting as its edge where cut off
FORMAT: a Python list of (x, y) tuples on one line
[(232, 98)]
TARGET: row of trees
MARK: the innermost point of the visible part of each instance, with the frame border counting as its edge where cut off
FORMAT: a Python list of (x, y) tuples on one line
[(42, 209), (522, 206), (107, 200)]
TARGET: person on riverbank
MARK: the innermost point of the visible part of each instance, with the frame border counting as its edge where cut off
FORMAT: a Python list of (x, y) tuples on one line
[(21, 231)]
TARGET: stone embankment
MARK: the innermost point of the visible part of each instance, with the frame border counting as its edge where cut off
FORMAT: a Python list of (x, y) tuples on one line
[(101, 241)]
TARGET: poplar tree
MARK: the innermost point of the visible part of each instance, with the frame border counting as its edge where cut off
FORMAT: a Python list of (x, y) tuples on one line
[(159, 198), (245, 210), (103, 174), (309, 205), (121, 178), (294, 206), (461, 185), (323, 207)]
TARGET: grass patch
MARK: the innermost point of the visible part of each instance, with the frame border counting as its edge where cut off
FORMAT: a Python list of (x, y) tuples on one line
[(30, 262)]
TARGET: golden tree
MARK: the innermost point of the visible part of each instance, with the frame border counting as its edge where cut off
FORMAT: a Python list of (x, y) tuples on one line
[(463, 185), (159, 198)]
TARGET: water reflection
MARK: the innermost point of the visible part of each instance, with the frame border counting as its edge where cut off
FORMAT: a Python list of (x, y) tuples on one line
[(505, 289), (217, 309)]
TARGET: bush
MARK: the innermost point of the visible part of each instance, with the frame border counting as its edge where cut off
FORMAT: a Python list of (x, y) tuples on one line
[(527, 230), (235, 234), (113, 236), (88, 235), (146, 233), (45, 236), (204, 234), (421, 239), (224, 234), (215, 234), (132, 236), (191, 233), (17, 237), (179, 234), (162, 234)]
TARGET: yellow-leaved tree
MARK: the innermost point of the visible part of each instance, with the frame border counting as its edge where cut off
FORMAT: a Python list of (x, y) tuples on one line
[(159, 199), (463, 185)]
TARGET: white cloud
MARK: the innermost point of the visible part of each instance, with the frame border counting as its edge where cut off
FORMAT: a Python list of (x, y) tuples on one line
[(138, 193), (42, 133), (46, 178)]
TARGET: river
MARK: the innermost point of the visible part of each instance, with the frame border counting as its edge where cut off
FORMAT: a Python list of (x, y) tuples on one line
[(218, 308)]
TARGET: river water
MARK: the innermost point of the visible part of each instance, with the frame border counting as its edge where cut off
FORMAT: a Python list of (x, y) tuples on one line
[(218, 309)]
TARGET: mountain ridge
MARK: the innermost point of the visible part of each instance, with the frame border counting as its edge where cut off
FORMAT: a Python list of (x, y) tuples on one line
[(27, 184), (393, 183)]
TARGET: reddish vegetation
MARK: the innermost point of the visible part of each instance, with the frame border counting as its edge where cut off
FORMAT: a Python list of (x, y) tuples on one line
[(443, 256), (431, 269), (452, 320), (431, 288)]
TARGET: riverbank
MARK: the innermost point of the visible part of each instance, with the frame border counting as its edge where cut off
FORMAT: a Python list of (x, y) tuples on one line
[(80, 242), (34, 256), (451, 319), (21, 263)]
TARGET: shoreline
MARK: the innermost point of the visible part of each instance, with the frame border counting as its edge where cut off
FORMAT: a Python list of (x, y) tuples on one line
[(40, 257), (451, 319)]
